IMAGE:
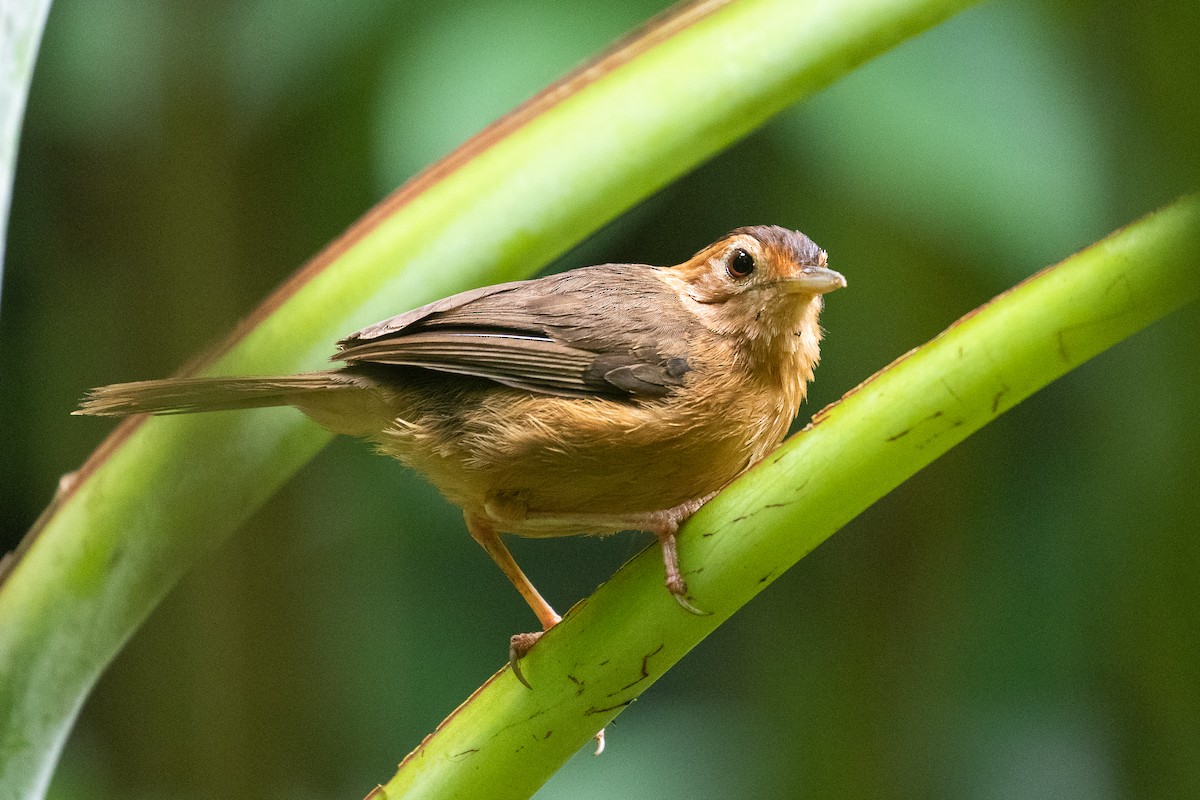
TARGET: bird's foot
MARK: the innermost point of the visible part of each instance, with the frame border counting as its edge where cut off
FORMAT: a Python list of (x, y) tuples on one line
[(677, 586), (518, 646)]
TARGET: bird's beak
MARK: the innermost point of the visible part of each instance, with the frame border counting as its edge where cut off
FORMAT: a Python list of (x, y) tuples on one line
[(815, 280)]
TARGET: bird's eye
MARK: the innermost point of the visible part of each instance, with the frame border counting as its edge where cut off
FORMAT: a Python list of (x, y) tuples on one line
[(741, 264)]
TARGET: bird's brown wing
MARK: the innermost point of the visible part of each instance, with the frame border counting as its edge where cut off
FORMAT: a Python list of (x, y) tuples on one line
[(610, 331)]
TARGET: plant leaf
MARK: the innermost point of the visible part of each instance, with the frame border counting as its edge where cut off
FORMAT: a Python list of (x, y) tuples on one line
[(21, 24)]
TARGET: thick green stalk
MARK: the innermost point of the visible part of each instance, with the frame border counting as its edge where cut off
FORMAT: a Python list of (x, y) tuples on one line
[(505, 740), (158, 493)]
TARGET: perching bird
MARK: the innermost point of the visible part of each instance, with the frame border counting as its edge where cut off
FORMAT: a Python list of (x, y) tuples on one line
[(606, 398)]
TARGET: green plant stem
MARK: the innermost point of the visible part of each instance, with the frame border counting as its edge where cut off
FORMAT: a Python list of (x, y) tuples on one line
[(159, 493), (505, 740)]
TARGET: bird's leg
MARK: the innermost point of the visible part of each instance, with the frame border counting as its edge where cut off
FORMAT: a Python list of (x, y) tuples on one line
[(663, 524), (483, 532), (665, 529)]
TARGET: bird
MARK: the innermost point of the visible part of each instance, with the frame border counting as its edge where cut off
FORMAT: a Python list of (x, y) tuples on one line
[(596, 400)]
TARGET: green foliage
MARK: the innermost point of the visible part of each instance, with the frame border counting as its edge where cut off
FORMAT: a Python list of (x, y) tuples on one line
[(1020, 614), (20, 33)]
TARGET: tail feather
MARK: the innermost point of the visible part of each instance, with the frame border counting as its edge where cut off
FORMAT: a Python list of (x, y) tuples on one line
[(188, 395)]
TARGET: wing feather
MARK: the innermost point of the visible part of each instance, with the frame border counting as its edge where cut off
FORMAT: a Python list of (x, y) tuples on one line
[(577, 334)]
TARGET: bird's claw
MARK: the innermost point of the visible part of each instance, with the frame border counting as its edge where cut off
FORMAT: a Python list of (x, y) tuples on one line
[(518, 646), (688, 607), (678, 590)]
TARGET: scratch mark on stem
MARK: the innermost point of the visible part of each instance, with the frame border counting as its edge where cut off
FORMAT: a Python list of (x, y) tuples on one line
[(645, 670)]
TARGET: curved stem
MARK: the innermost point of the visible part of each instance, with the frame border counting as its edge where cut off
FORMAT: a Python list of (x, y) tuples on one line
[(504, 741)]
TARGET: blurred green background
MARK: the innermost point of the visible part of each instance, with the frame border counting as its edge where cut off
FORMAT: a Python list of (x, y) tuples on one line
[(1020, 620)]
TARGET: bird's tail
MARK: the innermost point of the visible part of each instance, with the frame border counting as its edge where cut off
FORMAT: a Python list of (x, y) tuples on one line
[(188, 395)]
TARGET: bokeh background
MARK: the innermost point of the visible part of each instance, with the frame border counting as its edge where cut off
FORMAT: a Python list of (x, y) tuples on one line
[(1022, 619)]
